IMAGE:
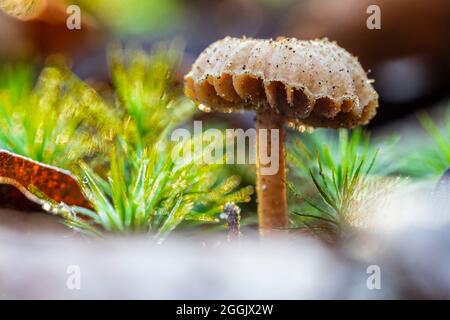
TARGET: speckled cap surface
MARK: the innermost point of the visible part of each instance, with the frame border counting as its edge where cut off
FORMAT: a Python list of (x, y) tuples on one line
[(311, 83)]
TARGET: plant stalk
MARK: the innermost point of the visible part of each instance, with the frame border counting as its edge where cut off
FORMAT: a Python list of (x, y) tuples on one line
[(271, 188)]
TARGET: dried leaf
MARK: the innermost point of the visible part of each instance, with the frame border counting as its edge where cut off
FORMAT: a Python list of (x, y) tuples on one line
[(29, 176)]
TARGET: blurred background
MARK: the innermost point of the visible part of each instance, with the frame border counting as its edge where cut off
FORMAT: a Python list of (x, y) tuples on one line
[(409, 56)]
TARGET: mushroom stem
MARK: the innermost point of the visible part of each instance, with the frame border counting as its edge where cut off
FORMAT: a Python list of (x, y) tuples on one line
[(271, 187)]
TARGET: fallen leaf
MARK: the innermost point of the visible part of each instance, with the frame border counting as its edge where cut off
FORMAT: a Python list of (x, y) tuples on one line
[(29, 176)]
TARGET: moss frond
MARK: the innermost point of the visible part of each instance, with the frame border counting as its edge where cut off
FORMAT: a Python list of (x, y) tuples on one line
[(335, 182), (146, 90), (434, 159), (153, 194), (127, 169), (57, 121)]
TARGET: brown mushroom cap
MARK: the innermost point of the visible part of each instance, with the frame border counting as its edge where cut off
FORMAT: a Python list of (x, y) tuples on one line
[(312, 83)]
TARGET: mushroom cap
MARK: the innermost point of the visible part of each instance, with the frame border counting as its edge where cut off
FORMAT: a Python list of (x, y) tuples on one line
[(311, 83)]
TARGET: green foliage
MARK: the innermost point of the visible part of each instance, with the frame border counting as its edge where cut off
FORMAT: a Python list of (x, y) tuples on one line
[(137, 17), (57, 122), (333, 179), (149, 187), (127, 169), (146, 93), (431, 159), (156, 193), (424, 155)]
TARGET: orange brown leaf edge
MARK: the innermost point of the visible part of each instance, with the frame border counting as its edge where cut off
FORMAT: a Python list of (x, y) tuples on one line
[(18, 173)]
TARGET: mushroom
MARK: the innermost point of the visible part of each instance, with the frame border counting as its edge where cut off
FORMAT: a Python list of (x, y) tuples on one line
[(307, 84)]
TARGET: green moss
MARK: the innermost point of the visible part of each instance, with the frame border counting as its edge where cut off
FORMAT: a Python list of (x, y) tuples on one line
[(121, 150), (57, 121), (337, 177)]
